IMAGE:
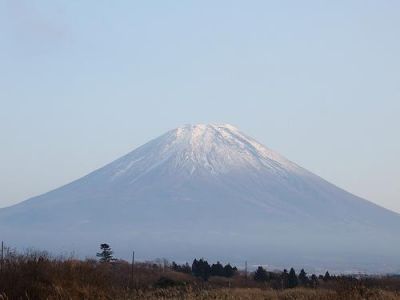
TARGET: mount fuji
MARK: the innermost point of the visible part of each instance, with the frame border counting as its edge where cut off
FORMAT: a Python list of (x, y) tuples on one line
[(210, 191)]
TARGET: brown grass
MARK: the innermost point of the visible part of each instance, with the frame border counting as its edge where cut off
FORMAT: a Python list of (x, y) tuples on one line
[(37, 276)]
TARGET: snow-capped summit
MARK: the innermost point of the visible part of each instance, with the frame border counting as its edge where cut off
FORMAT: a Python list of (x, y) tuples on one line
[(209, 190), (210, 148)]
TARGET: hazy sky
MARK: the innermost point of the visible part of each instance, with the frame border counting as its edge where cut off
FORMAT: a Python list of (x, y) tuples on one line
[(84, 82)]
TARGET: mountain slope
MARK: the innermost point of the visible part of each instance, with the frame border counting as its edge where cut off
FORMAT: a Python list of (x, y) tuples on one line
[(210, 190)]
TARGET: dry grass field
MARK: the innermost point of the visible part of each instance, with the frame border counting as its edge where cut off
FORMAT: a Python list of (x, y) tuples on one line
[(256, 293), (36, 276)]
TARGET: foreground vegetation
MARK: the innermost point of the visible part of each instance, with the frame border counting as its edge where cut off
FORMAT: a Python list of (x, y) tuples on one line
[(35, 275)]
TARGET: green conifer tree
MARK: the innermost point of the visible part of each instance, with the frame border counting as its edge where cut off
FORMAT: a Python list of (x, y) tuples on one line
[(303, 279), (292, 279), (106, 254), (261, 274)]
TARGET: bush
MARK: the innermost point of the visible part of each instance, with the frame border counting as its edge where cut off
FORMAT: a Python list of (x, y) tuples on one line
[(164, 282)]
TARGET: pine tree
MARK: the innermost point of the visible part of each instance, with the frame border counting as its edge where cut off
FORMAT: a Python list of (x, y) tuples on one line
[(229, 271), (106, 254), (285, 277), (261, 274), (201, 268), (187, 269), (181, 268), (327, 276), (292, 279), (217, 269), (195, 267), (175, 266), (303, 279), (314, 280)]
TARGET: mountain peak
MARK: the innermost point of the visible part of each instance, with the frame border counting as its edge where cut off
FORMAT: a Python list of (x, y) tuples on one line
[(203, 149), (207, 189), (200, 130), (203, 126)]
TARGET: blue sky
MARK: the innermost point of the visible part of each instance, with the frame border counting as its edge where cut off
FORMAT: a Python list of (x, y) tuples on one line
[(84, 82)]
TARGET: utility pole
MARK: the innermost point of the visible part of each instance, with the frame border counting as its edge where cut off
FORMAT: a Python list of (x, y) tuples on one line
[(245, 269), (2, 255), (133, 263)]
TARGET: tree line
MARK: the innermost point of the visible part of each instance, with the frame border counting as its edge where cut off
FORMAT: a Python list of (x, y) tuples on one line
[(290, 279), (202, 269)]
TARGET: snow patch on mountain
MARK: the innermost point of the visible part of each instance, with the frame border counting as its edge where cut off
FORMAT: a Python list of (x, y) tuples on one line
[(215, 148)]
